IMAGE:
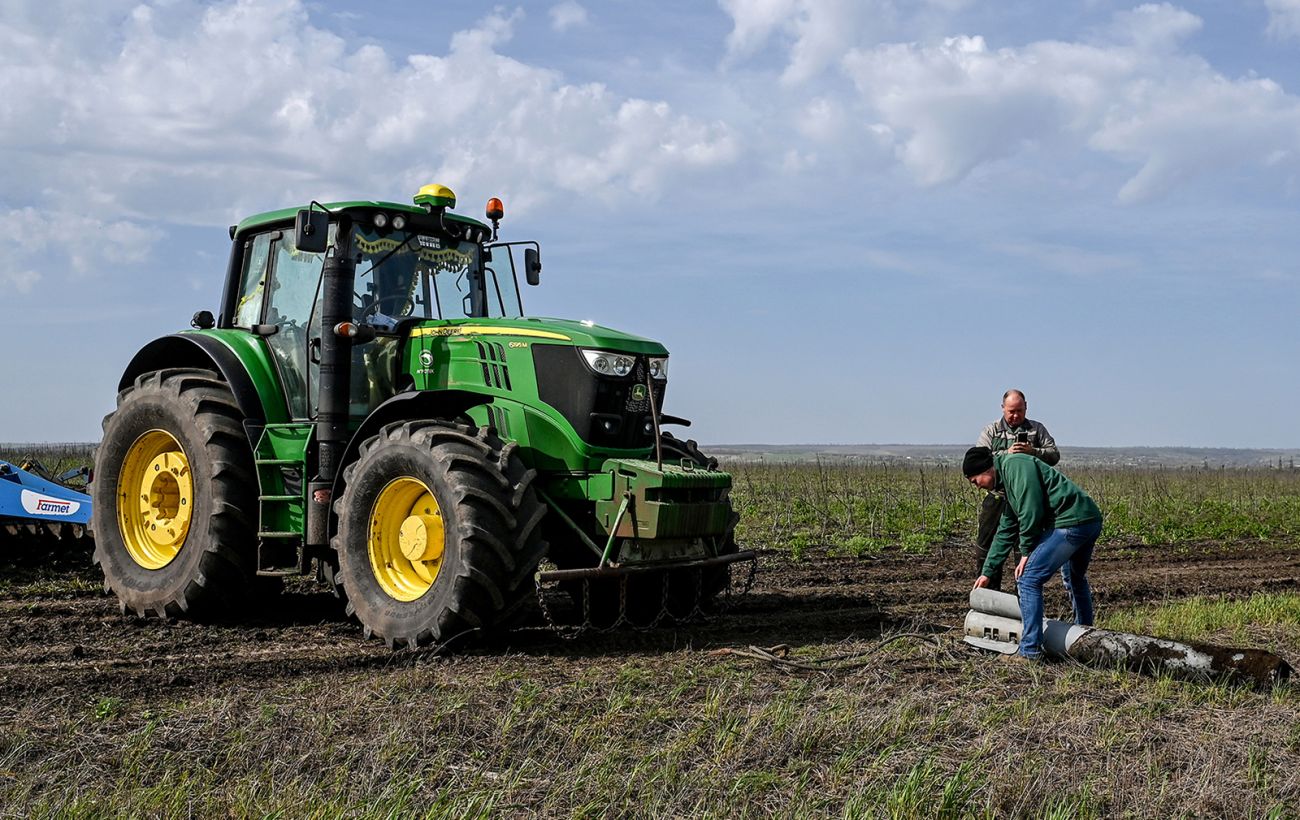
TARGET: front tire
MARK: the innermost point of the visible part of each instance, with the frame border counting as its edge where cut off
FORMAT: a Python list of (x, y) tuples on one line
[(438, 532), (174, 488)]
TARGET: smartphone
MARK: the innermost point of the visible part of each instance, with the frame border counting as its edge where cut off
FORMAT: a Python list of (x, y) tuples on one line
[(1022, 437)]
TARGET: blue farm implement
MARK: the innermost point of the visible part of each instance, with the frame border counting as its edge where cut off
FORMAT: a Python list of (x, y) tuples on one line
[(35, 503)]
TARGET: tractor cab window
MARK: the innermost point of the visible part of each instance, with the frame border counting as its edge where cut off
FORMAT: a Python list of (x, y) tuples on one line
[(252, 281), (295, 282), (501, 280), (402, 275)]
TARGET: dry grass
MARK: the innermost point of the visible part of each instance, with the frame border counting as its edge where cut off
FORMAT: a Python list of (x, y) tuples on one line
[(921, 731), (658, 725)]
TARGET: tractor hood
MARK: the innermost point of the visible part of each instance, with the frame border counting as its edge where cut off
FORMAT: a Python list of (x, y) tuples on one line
[(542, 330)]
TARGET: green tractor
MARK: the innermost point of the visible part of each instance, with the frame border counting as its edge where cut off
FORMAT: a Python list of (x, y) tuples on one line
[(371, 404)]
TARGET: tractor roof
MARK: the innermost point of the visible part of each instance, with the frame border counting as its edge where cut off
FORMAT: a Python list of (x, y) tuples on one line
[(288, 214)]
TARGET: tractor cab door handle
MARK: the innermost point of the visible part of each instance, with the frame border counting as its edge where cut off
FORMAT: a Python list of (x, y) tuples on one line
[(313, 350)]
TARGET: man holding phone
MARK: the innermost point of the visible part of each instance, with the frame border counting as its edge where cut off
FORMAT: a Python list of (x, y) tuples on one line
[(1013, 433)]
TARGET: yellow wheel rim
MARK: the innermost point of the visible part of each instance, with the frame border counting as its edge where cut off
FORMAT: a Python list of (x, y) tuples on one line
[(405, 539), (155, 499)]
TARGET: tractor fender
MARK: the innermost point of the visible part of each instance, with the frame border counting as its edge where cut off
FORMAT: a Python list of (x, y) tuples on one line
[(407, 406), (202, 351)]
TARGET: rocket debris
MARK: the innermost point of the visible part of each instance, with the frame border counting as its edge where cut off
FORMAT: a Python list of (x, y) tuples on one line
[(994, 623)]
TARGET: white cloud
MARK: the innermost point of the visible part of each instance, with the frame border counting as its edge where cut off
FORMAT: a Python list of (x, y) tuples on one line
[(956, 104), (1128, 92), (567, 15), (203, 113), (823, 119), (1181, 129), (1154, 27), (959, 104), (819, 31), (184, 111), (1283, 18), (20, 280), (1072, 260), (67, 241), (754, 22)]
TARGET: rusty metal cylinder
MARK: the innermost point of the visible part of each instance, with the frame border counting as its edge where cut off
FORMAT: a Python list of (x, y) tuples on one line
[(1187, 661)]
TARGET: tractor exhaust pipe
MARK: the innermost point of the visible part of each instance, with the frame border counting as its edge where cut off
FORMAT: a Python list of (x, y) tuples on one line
[(338, 282), (994, 623)]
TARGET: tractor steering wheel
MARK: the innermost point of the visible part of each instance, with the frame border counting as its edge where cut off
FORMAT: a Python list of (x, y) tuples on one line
[(397, 299)]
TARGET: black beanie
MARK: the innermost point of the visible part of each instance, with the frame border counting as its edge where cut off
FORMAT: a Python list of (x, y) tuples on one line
[(977, 460)]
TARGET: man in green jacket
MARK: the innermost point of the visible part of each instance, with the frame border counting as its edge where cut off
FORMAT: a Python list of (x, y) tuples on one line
[(1056, 524)]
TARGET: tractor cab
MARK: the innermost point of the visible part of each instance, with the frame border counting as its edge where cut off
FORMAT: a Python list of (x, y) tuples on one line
[(413, 266)]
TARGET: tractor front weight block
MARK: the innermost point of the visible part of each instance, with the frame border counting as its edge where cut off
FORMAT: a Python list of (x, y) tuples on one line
[(664, 501)]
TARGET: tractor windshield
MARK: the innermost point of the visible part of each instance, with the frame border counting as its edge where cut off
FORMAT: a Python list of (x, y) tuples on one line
[(404, 274)]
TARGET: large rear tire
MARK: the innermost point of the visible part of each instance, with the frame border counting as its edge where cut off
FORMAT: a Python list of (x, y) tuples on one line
[(438, 532), (174, 491)]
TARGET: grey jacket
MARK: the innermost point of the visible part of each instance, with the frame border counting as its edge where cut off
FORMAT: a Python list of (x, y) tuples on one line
[(999, 437)]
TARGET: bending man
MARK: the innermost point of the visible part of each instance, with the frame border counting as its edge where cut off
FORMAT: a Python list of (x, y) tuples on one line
[(1056, 525), (1013, 433)]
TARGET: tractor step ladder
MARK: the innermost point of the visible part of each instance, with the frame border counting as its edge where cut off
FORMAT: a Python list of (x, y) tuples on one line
[(280, 550)]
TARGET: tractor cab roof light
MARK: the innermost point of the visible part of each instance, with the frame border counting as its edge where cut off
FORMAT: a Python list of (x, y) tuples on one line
[(495, 213)]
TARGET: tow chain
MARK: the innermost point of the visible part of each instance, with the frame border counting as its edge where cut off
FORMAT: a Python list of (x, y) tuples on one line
[(727, 598)]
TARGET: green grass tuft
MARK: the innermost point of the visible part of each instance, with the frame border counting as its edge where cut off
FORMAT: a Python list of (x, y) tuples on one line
[(1203, 619)]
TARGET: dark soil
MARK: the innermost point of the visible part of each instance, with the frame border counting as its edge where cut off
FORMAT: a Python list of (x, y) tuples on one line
[(58, 632), (284, 709)]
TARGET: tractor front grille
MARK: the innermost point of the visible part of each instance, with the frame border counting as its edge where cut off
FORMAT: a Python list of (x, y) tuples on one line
[(607, 411)]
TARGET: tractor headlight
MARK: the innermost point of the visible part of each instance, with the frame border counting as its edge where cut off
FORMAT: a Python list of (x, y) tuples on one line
[(608, 364), (659, 368)]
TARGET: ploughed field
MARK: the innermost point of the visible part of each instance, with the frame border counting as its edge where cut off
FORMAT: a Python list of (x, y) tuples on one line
[(285, 708)]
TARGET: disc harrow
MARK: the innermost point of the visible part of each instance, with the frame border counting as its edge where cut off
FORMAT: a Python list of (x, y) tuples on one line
[(641, 598), (38, 508)]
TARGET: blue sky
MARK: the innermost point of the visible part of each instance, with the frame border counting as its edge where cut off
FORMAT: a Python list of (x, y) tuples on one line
[(851, 221)]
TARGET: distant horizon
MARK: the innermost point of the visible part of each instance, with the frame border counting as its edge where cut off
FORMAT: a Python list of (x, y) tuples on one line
[(1295, 450), (1141, 457), (1146, 456), (13, 445)]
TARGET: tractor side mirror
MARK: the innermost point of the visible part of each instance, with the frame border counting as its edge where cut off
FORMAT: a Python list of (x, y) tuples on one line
[(311, 231), (533, 266)]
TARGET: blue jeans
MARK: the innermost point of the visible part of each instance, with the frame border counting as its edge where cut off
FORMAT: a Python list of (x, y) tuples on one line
[(1070, 551)]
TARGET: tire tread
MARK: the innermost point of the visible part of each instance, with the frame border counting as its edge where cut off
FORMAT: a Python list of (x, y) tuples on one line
[(496, 528), (223, 574)]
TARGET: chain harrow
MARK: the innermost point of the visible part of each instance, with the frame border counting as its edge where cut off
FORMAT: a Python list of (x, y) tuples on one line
[(724, 600)]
